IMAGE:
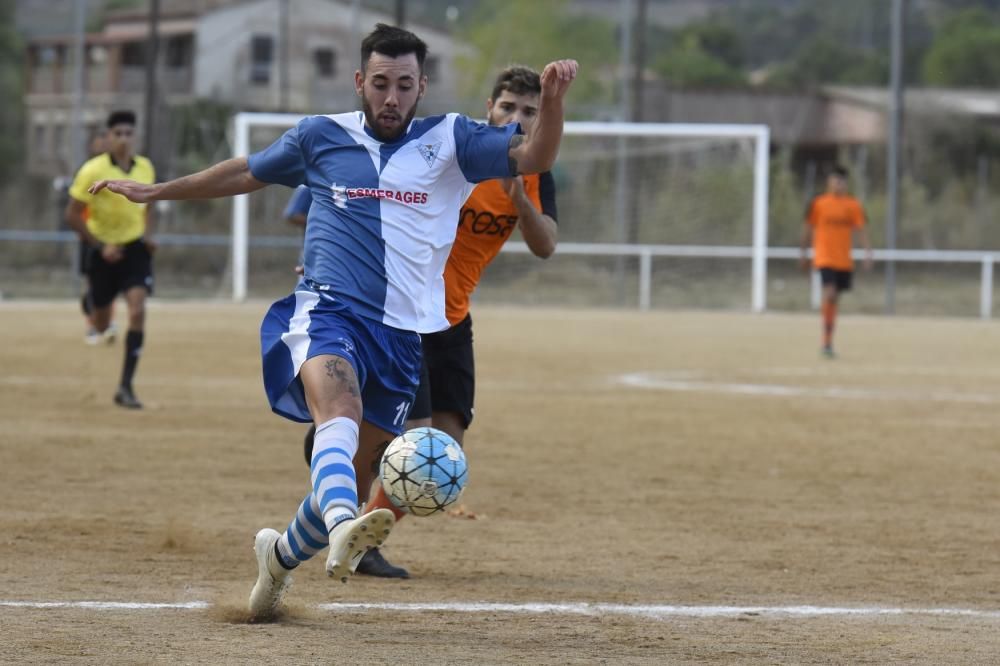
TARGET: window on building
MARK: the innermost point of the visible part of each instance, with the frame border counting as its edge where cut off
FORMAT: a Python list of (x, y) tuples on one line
[(431, 67), (326, 63), (261, 57), (47, 55), (179, 51), (41, 147), (58, 139), (133, 54)]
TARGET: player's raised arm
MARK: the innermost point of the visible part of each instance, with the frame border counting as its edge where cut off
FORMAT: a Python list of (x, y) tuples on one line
[(221, 180), (536, 151)]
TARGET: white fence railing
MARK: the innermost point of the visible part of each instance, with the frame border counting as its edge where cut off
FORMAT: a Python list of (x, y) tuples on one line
[(645, 254)]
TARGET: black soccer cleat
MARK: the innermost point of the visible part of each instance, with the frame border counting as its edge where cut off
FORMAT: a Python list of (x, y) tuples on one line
[(373, 564), (124, 397)]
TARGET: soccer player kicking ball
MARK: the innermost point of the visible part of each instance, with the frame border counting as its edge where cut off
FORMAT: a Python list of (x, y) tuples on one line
[(831, 220), (447, 385), (343, 351), (120, 236), (447, 388)]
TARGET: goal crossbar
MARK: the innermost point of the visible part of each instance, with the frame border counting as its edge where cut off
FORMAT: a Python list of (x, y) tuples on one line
[(760, 134)]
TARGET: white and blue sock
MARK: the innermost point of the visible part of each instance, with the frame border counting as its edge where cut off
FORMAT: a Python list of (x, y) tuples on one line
[(335, 485), (334, 497), (306, 535)]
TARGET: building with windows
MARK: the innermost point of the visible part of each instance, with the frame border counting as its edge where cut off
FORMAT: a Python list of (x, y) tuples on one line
[(253, 55)]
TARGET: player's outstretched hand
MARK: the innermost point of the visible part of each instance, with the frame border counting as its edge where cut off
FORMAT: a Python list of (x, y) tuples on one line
[(131, 190), (557, 77)]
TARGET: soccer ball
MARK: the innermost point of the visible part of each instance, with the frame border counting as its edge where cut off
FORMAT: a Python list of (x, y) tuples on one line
[(423, 471)]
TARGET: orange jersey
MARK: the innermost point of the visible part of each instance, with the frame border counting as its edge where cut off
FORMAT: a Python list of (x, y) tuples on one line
[(834, 219), (487, 220)]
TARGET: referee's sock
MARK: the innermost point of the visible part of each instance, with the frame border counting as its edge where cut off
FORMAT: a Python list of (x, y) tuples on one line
[(133, 348)]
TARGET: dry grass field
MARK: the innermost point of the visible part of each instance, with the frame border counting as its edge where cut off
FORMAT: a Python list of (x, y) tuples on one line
[(735, 497)]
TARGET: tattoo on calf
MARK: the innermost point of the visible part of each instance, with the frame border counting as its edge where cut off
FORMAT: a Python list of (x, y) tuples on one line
[(515, 141), (339, 369)]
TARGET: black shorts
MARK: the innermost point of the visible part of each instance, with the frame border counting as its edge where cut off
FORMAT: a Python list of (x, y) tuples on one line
[(842, 280), (134, 269), (448, 378), (84, 251)]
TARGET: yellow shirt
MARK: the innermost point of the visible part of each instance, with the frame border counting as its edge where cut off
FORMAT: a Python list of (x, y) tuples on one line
[(113, 218)]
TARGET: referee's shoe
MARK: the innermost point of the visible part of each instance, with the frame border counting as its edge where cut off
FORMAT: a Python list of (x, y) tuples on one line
[(374, 564), (125, 397)]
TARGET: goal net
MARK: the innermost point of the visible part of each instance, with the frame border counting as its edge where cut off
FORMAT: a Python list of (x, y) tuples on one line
[(650, 215)]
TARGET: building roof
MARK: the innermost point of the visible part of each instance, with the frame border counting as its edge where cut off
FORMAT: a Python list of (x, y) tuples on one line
[(984, 104)]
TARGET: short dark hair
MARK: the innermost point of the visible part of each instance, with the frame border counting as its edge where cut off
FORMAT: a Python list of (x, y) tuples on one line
[(121, 118), (393, 42), (519, 80), (840, 171)]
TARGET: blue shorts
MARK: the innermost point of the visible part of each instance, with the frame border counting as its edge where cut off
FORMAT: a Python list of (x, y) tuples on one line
[(312, 323)]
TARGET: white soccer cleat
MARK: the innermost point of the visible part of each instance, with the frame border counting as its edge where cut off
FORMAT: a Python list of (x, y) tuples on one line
[(110, 334), (272, 578), (92, 337), (351, 539)]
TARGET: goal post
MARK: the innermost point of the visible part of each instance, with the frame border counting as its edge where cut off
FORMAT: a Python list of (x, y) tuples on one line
[(244, 123)]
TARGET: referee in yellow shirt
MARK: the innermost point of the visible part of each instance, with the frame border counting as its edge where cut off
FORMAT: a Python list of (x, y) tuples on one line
[(119, 234)]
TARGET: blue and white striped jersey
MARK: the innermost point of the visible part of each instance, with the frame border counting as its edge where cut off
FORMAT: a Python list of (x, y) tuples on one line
[(384, 215)]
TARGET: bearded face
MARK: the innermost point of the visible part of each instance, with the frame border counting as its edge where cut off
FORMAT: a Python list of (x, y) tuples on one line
[(390, 89)]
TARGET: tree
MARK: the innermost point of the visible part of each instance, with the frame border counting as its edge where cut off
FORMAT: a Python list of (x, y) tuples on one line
[(12, 93), (703, 54), (966, 52), (534, 33), (823, 61)]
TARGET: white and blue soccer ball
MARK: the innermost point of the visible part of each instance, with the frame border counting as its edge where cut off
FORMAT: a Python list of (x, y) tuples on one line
[(424, 471)]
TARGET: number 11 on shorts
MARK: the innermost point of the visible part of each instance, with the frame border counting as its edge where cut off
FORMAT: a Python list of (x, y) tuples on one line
[(401, 411)]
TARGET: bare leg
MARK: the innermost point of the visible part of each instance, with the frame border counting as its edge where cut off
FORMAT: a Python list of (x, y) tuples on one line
[(452, 423)]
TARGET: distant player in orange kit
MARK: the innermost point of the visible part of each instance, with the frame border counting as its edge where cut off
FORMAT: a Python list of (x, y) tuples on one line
[(832, 220)]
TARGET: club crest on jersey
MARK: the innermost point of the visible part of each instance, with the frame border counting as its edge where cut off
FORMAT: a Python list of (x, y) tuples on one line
[(339, 195), (429, 151)]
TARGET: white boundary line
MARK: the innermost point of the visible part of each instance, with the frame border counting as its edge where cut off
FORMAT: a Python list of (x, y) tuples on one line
[(681, 382), (104, 605), (579, 608)]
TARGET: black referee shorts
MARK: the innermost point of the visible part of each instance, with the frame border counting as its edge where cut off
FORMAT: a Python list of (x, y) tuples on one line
[(107, 280), (448, 379)]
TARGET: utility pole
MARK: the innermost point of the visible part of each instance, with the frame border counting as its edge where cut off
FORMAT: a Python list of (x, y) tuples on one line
[(79, 58), (400, 13), (622, 176), (639, 63), (633, 172), (284, 64), (894, 140), (152, 51)]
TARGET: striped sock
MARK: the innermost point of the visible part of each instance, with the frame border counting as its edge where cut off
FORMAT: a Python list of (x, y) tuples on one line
[(334, 483), (306, 535)]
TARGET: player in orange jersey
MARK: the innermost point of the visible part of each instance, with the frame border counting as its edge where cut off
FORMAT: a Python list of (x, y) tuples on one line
[(832, 219), (447, 385)]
